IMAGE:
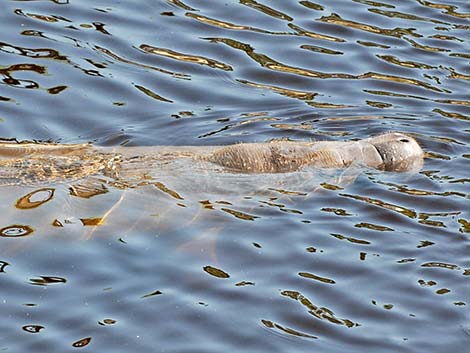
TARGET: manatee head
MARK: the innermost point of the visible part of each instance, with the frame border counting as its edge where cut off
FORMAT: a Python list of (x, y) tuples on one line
[(399, 152)]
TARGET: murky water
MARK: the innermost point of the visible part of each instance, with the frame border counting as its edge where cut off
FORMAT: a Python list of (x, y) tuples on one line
[(355, 260)]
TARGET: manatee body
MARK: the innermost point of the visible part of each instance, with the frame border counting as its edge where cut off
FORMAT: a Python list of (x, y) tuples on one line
[(390, 152), (22, 163)]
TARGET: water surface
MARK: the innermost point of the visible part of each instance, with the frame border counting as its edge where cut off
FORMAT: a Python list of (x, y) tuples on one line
[(328, 261)]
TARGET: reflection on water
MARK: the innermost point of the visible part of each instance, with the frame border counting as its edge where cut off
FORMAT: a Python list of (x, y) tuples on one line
[(196, 261), (28, 201), (33, 328), (16, 230), (82, 343)]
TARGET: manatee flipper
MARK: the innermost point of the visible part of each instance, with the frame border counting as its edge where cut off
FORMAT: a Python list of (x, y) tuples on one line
[(204, 244), (347, 176), (91, 187), (90, 232)]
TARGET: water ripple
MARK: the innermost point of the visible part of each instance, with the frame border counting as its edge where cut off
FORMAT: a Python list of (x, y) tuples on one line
[(185, 57), (371, 261)]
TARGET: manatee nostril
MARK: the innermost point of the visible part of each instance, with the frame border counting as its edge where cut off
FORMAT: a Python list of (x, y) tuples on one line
[(404, 140)]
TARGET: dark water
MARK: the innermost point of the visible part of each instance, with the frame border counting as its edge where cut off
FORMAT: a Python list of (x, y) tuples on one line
[(331, 262)]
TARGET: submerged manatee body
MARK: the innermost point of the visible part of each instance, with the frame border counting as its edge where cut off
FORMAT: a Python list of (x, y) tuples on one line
[(23, 163)]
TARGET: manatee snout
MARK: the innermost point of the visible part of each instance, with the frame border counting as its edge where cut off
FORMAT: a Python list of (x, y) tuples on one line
[(399, 152)]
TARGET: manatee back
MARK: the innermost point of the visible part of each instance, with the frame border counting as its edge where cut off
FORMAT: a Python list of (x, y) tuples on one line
[(274, 157)]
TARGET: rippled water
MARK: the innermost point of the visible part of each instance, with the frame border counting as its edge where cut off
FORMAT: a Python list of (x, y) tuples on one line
[(354, 260)]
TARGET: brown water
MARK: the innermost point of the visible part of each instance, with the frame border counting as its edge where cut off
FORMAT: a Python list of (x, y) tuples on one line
[(315, 261)]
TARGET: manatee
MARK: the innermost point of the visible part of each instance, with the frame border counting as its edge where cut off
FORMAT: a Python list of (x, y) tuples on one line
[(26, 163), (390, 152)]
